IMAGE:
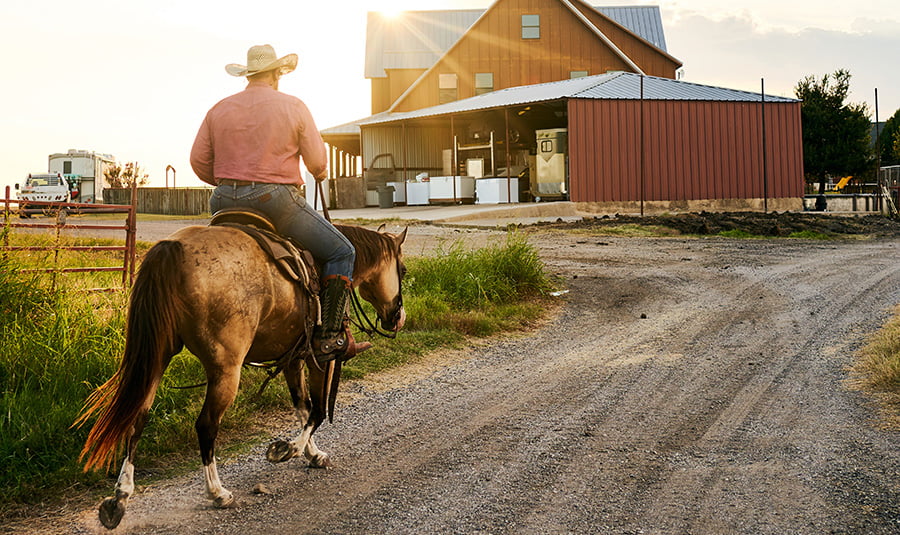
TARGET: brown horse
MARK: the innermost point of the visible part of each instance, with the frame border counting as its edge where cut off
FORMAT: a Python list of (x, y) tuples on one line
[(214, 291)]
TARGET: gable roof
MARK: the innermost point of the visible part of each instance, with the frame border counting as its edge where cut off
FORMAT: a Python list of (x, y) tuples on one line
[(417, 39), (581, 16), (413, 39), (611, 86)]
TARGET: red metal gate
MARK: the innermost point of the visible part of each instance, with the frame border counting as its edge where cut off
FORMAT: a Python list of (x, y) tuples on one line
[(61, 211)]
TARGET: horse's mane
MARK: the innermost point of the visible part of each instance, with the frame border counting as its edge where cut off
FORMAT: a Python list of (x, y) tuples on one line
[(371, 247)]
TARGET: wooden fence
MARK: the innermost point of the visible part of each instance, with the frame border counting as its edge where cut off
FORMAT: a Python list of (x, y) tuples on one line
[(169, 201)]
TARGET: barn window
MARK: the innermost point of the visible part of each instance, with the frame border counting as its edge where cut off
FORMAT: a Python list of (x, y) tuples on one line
[(484, 82), (577, 74), (531, 26), (447, 88)]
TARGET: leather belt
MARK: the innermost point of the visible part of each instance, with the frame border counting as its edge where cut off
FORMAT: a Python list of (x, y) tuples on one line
[(232, 182)]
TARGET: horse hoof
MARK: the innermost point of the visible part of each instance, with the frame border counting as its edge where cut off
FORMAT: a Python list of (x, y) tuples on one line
[(320, 461), (111, 513), (225, 502), (280, 451)]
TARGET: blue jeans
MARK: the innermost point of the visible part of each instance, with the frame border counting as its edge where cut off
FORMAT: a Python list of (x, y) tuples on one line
[(292, 217)]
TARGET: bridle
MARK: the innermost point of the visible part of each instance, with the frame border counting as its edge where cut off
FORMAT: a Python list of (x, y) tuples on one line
[(362, 320)]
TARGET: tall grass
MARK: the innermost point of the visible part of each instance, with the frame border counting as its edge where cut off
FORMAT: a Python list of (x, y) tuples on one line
[(53, 351), (57, 346), (457, 281), (877, 370)]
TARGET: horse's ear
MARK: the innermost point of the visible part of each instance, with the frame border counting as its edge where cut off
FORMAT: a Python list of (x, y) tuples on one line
[(400, 238), (381, 227)]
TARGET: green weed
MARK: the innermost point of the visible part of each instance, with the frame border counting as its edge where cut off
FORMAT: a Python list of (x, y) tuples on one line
[(810, 235), (739, 234), (633, 230)]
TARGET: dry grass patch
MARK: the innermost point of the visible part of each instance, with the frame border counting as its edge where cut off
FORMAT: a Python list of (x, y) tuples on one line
[(876, 371)]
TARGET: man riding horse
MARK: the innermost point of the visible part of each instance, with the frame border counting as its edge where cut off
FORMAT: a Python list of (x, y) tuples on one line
[(214, 291), (249, 147)]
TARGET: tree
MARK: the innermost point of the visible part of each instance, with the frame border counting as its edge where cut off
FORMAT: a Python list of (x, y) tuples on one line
[(836, 135), (897, 145), (118, 176), (889, 141)]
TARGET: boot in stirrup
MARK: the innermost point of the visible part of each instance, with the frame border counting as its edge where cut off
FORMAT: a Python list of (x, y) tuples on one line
[(332, 339)]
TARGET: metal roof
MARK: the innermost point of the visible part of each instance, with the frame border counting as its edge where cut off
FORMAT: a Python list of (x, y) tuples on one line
[(413, 39), (645, 21), (626, 85), (611, 86), (417, 39), (351, 128)]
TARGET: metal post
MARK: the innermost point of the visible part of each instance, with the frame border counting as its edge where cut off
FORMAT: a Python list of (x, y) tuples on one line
[(764, 156), (455, 158), (60, 223), (170, 168), (508, 163), (453, 139), (878, 155), (5, 221), (642, 146), (405, 162), (130, 238)]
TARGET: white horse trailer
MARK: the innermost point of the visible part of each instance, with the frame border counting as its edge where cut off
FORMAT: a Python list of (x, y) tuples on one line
[(90, 166)]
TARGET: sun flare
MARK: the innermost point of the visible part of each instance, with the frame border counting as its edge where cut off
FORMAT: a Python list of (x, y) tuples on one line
[(391, 12)]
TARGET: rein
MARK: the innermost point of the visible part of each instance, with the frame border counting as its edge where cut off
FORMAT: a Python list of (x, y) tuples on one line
[(369, 327), (321, 193)]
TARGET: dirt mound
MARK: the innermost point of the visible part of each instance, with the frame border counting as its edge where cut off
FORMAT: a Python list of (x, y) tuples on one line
[(758, 224)]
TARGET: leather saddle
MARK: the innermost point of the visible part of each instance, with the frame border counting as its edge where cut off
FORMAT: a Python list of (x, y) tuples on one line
[(295, 262)]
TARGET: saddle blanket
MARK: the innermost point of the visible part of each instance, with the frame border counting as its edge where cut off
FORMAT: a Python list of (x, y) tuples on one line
[(296, 263)]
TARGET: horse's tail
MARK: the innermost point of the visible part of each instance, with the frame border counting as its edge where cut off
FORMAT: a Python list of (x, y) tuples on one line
[(151, 340)]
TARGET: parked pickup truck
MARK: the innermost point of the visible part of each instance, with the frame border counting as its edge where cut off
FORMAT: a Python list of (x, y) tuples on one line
[(48, 187)]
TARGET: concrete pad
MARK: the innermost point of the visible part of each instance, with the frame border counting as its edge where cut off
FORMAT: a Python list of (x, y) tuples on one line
[(490, 215)]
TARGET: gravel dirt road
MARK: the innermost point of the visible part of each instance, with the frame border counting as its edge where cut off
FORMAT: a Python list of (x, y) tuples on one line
[(685, 386)]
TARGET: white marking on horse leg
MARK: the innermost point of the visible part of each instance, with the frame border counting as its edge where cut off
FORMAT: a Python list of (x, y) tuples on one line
[(300, 443), (311, 449), (125, 483), (281, 450), (112, 510), (317, 457), (220, 496)]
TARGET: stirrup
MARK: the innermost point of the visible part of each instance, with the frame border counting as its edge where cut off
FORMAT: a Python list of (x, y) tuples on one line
[(342, 346)]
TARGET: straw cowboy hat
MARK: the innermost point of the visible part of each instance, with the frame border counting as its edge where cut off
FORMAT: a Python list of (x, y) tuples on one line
[(262, 58)]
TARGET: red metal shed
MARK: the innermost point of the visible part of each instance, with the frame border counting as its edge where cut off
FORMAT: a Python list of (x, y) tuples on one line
[(684, 143)]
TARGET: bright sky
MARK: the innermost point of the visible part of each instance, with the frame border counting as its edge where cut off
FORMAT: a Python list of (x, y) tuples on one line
[(134, 79)]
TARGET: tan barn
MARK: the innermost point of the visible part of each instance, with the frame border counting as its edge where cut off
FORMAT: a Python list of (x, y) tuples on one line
[(596, 85)]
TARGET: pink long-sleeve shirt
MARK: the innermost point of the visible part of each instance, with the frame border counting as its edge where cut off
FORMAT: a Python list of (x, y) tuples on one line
[(259, 134)]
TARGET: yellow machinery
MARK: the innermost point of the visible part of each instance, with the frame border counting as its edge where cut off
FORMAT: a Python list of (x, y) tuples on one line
[(843, 182)]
